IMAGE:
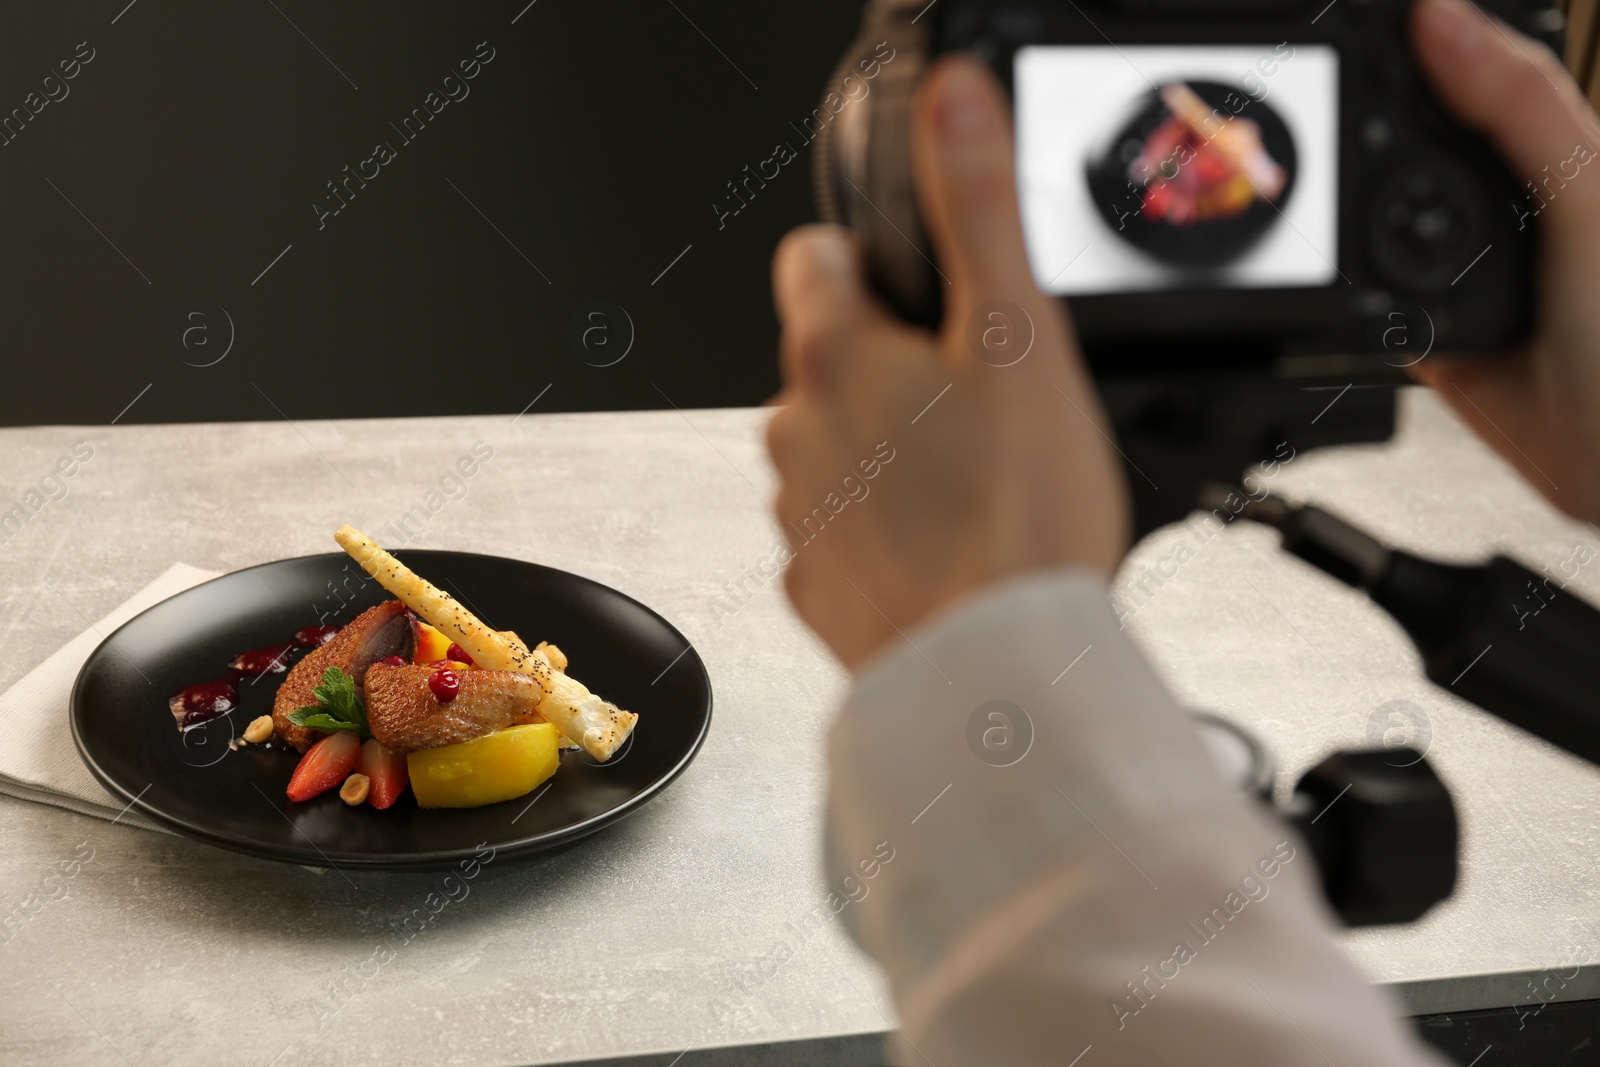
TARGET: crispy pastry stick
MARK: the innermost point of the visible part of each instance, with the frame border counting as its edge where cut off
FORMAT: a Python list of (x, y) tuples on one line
[(598, 726)]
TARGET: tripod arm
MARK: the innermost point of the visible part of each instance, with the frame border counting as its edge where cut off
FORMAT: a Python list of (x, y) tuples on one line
[(1520, 645), (1513, 641)]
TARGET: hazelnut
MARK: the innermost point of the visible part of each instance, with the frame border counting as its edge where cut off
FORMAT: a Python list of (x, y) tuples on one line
[(355, 789)]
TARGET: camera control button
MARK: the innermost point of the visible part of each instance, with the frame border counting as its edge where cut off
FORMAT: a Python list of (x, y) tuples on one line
[(1377, 133), (1427, 221)]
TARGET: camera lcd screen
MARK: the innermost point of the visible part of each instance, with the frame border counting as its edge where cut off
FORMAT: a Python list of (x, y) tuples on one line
[(1145, 168)]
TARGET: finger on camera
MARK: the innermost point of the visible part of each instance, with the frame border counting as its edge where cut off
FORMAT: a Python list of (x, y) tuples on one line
[(1517, 93), (1496, 398), (800, 587), (1485, 392), (791, 438), (810, 593), (821, 595), (820, 288), (783, 510), (962, 150)]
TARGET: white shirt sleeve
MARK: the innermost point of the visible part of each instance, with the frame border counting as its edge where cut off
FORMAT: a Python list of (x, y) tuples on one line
[(1025, 831)]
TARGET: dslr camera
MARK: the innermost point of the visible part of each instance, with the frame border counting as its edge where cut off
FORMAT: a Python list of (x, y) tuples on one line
[(1247, 204)]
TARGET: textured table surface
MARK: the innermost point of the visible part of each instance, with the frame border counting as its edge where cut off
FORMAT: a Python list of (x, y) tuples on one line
[(163, 951)]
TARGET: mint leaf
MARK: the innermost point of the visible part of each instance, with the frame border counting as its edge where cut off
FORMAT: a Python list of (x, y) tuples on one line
[(317, 719), (337, 694), (337, 708)]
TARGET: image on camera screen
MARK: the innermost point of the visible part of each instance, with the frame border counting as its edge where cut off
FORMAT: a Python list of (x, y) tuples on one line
[(1146, 168)]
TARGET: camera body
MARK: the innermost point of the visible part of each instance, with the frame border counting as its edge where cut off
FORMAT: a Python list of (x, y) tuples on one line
[(1212, 185)]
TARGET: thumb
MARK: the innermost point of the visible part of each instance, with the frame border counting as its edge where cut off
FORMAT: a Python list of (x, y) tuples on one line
[(1515, 91), (966, 184)]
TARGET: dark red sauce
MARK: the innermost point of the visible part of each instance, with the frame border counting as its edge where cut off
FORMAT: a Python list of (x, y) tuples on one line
[(210, 700), (269, 659), (445, 684), (204, 702), (312, 636)]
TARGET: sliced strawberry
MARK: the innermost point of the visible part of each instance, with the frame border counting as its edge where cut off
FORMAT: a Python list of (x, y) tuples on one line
[(325, 765), (386, 770)]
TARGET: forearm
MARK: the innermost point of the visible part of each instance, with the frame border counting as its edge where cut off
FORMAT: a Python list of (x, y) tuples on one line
[(1105, 888)]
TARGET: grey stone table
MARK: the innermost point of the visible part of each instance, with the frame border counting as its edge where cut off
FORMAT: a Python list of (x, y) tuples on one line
[(661, 934)]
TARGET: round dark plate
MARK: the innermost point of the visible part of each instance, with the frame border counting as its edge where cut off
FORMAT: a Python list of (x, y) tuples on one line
[(1205, 243), (194, 783)]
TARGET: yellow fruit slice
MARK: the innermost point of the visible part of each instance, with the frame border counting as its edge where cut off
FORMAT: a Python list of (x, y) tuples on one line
[(486, 770), (432, 645)]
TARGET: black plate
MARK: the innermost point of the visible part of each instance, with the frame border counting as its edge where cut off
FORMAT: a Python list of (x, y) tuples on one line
[(193, 783), (1201, 244)]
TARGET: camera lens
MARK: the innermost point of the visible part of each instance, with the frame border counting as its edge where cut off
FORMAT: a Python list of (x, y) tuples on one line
[(1427, 224)]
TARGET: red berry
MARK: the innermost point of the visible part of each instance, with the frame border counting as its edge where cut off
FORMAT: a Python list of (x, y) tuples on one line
[(445, 684), (458, 654), (394, 661)]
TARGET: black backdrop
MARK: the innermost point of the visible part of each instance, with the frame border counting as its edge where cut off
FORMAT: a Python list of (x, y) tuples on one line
[(161, 204)]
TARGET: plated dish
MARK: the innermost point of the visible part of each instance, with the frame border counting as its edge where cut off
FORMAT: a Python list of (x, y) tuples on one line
[(1196, 174), (416, 689), (392, 730)]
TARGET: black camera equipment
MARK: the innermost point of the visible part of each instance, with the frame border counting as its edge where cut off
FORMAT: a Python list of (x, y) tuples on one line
[(1379, 822), (1515, 642), (1219, 318), (1497, 634), (1259, 215)]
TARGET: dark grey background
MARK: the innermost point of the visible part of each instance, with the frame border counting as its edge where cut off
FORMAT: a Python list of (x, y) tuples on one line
[(201, 134)]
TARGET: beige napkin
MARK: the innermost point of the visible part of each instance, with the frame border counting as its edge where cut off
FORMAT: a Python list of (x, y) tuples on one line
[(38, 760)]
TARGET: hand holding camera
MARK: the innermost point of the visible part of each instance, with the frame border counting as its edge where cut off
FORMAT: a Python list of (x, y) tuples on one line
[(1011, 467), (1538, 404), (1003, 463)]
